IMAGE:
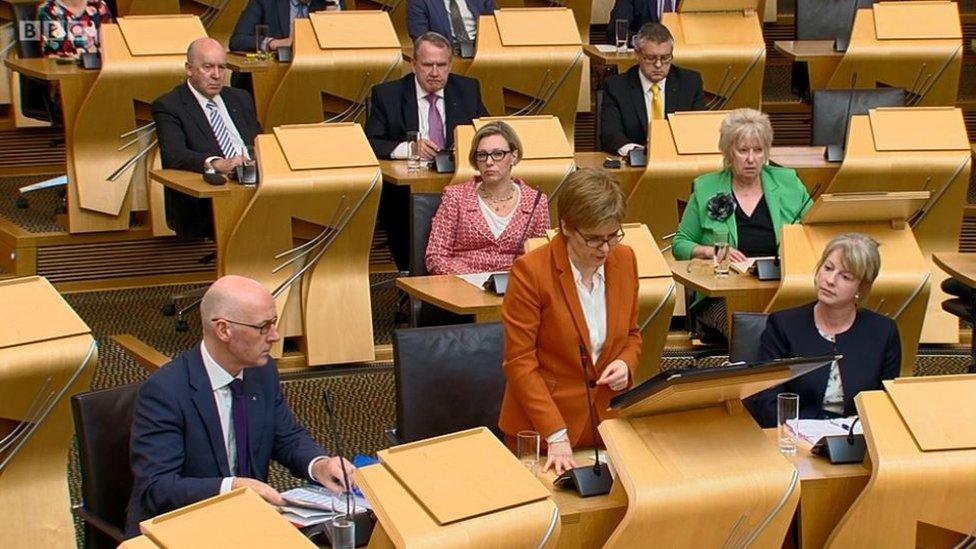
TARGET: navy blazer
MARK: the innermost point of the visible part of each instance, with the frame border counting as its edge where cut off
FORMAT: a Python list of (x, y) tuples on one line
[(431, 15), (276, 14), (637, 12), (186, 140), (623, 116), (871, 349), (177, 448), (393, 110)]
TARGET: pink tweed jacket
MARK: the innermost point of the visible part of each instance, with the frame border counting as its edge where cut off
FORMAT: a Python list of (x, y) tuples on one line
[(460, 241)]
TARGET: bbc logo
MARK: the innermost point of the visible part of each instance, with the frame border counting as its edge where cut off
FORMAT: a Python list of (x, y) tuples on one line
[(32, 31)]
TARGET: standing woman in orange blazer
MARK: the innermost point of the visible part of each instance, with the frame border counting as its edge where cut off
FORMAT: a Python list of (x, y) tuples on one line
[(577, 293)]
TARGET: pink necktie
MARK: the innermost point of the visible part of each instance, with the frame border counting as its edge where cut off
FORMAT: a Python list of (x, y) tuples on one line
[(435, 125)]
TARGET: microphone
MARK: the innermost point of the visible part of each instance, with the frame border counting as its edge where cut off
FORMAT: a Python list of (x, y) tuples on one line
[(809, 199), (528, 222), (835, 152), (588, 481), (850, 432), (337, 444)]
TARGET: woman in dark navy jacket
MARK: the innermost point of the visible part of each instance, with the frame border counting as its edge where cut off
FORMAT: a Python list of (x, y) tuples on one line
[(833, 324)]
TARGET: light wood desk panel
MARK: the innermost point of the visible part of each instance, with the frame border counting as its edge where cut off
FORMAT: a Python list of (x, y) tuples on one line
[(453, 294)]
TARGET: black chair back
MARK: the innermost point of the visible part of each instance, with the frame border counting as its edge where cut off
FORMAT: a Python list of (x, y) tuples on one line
[(423, 206), (448, 378), (34, 93), (747, 329), (103, 422), (830, 110), (826, 19)]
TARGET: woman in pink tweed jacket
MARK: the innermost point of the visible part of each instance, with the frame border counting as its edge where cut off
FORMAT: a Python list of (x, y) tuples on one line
[(480, 225)]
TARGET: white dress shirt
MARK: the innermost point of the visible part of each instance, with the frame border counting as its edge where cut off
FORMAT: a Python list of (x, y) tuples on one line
[(235, 136), (470, 22), (402, 151), (220, 381), (648, 99)]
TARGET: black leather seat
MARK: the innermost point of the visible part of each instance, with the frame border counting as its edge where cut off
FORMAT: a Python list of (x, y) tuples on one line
[(962, 306), (822, 20), (103, 421), (35, 94), (830, 109), (448, 378), (423, 206), (747, 329)]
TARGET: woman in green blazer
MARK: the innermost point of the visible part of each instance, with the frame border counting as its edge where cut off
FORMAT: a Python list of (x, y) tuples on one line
[(745, 204)]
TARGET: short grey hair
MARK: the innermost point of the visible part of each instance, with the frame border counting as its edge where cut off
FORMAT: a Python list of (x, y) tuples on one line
[(742, 124), (653, 32), (434, 38)]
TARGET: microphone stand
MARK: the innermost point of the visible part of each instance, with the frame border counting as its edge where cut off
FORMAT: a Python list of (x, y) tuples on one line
[(327, 400)]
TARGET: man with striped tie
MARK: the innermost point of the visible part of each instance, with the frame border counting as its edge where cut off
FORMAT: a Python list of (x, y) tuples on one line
[(202, 126)]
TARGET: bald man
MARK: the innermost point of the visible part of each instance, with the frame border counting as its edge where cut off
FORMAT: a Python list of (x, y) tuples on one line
[(202, 125), (212, 419)]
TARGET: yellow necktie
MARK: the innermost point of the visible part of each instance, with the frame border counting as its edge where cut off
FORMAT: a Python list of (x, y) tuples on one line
[(657, 103)]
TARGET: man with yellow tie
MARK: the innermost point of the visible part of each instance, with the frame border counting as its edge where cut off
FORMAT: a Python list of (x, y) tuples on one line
[(648, 91)]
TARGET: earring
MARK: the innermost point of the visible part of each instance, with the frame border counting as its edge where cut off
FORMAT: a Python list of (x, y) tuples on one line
[(857, 296)]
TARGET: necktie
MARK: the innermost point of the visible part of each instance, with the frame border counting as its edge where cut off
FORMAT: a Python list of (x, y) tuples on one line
[(238, 410), (664, 6), (457, 23), (302, 10), (657, 103), (435, 126), (219, 129)]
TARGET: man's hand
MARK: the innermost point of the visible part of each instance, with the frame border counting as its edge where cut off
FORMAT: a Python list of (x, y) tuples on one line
[(560, 457), (227, 165), (328, 473), (428, 150), (616, 375), (268, 493), (276, 43)]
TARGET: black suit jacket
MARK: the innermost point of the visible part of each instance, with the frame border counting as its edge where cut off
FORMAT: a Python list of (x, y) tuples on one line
[(637, 12), (186, 140), (393, 110), (871, 349), (276, 14), (177, 449), (623, 116)]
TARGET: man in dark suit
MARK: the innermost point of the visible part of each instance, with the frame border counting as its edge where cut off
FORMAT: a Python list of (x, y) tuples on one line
[(651, 89), (431, 101), (212, 419), (278, 16), (202, 125), (637, 13), (434, 15)]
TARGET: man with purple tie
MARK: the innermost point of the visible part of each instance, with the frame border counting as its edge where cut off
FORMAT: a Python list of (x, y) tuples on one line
[(431, 101), (212, 419)]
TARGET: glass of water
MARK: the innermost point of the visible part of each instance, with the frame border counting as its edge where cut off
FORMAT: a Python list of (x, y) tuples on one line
[(787, 422), (722, 259), (413, 156), (342, 531), (261, 41), (528, 450), (622, 29)]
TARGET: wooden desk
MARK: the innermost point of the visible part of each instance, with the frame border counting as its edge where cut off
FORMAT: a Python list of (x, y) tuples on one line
[(229, 201), (46, 68), (425, 180), (826, 492), (620, 61), (819, 55), (453, 294), (265, 77), (742, 292), (961, 267)]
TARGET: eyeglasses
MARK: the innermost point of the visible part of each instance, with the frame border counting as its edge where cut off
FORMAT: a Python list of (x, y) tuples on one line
[(598, 241), (264, 327), (657, 59), (497, 156)]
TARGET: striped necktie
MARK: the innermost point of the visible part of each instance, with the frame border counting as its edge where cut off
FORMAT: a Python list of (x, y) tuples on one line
[(219, 129)]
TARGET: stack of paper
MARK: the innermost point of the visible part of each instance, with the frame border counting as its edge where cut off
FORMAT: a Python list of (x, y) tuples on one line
[(812, 430), (310, 505)]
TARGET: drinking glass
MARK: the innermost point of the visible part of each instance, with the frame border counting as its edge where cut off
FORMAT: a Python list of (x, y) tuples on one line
[(622, 29), (342, 531), (260, 38), (787, 422), (528, 450), (413, 156), (247, 173), (721, 261)]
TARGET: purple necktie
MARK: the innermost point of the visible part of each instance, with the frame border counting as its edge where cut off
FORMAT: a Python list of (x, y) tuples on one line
[(238, 410), (435, 126)]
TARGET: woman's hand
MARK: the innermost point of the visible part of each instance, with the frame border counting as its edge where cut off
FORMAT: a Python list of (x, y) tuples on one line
[(560, 457), (735, 256), (615, 375)]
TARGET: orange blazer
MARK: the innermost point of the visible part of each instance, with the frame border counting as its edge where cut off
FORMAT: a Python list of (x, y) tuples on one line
[(544, 328)]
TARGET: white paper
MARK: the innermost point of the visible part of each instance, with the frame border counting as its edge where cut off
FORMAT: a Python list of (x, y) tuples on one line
[(812, 430), (609, 48), (321, 499), (478, 279)]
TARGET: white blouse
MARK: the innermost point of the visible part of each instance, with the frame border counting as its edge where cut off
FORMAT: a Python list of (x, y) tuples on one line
[(498, 223)]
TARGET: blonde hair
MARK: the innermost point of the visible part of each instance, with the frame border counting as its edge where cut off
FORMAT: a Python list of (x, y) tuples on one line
[(495, 127), (742, 124), (590, 197), (859, 253)]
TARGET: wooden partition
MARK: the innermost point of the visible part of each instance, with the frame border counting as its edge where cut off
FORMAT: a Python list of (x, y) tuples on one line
[(915, 149), (338, 57), (47, 354), (722, 40), (530, 61), (902, 287), (315, 207)]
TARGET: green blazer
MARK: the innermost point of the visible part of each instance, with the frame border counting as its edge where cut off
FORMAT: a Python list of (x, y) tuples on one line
[(785, 194)]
